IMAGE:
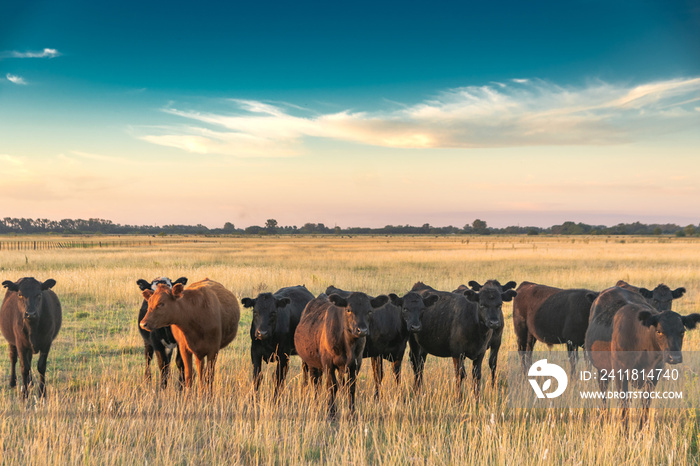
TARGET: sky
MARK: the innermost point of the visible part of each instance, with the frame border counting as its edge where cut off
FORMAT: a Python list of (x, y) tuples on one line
[(351, 113)]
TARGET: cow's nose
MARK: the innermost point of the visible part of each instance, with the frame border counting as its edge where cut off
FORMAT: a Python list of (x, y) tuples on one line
[(674, 358), (416, 328), (362, 331), (144, 326), (493, 323), (260, 335)]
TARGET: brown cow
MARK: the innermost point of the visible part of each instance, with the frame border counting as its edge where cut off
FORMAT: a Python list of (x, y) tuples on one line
[(331, 337), (30, 318), (550, 315), (645, 340), (204, 318)]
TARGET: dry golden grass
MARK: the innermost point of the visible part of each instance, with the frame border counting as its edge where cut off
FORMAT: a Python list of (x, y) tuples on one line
[(99, 409)]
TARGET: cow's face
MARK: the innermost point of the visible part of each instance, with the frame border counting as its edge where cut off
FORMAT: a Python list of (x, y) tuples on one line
[(30, 301), (358, 308), (412, 306), (265, 308), (669, 329), (160, 305), (153, 284), (662, 297), (489, 299)]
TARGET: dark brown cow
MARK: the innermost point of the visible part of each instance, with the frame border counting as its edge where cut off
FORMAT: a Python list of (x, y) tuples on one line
[(661, 298), (644, 339), (550, 315), (331, 337), (461, 325), (30, 318), (204, 319)]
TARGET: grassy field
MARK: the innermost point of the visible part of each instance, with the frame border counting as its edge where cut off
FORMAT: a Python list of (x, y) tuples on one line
[(100, 410)]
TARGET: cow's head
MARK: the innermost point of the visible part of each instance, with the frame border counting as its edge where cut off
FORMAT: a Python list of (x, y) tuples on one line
[(412, 306), (669, 331), (265, 308), (153, 284), (30, 299), (358, 307), (661, 298), (161, 303), (490, 298)]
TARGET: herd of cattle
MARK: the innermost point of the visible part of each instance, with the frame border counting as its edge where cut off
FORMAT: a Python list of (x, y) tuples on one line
[(333, 332)]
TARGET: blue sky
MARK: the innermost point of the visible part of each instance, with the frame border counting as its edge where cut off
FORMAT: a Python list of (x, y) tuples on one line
[(351, 113)]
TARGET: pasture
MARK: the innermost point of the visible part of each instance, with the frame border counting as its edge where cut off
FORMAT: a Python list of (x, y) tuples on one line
[(100, 410)]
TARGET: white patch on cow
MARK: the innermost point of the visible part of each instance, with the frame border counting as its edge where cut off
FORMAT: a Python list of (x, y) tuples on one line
[(158, 281)]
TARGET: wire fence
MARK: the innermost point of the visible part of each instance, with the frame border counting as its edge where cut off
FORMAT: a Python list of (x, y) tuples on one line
[(45, 245)]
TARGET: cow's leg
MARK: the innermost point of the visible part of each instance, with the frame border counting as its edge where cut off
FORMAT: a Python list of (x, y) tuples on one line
[(522, 335), (572, 349), (210, 372), (646, 402), (623, 386), (305, 372), (25, 364), (201, 372), (187, 363), (281, 373), (256, 359), (148, 352), (396, 367), (41, 367), (352, 379), (476, 374), (332, 385), (316, 378), (179, 362), (417, 362), (493, 359), (460, 374), (13, 364), (378, 372), (164, 366)]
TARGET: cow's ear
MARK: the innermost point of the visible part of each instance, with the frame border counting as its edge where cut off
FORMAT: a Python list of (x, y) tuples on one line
[(648, 319), (509, 286), (472, 295), (337, 300), (247, 302), (508, 295), (12, 286), (678, 292), (646, 293), (592, 297), (474, 285), (283, 302), (48, 284), (430, 299), (379, 301), (182, 280), (143, 284), (147, 293), (395, 300), (690, 320), (177, 290)]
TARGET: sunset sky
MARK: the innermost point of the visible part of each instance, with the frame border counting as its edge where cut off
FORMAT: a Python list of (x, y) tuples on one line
[(351, 113)]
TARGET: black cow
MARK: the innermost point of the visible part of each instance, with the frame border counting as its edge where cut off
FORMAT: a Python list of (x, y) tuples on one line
[(161, 340), (275, 319), (553, 316), (461, 325), (389, 329), (30, 318), (661, 298), (331, 337)]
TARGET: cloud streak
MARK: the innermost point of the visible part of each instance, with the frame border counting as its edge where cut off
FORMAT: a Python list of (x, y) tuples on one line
[(16, 79), (523, 113), (46, 53)]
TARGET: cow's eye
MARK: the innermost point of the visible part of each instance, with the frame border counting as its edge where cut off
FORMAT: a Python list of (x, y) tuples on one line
[(349, 311)]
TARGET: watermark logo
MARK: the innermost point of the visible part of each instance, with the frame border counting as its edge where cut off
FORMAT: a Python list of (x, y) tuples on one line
[(544, 369)]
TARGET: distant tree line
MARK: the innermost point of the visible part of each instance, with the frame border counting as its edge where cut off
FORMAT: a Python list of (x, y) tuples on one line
[(477, 227)]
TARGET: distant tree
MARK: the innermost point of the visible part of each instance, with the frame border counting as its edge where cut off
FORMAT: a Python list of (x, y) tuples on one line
[(657, 231), (253, 230), (271, 225), (229, 227), (532, 231), (689, 230), (479, 227), (680, 234)]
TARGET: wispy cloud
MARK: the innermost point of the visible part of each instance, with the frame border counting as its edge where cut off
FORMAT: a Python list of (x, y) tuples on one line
[(46, 53), (15, 79), (526, 113)]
